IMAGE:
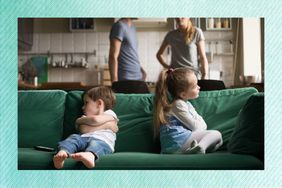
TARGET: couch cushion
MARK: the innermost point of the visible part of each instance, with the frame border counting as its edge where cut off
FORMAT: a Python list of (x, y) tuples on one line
[(40, 117), (135, 113), (217, 160), (30, 159), (220, 109), (248, 135)]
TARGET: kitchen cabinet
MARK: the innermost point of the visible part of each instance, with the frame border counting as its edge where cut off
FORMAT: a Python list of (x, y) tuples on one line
[(82, 24), (150, 22), (25, 34)]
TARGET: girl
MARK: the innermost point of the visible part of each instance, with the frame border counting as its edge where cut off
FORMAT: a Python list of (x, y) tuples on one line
[(186, 42), (180, 127)]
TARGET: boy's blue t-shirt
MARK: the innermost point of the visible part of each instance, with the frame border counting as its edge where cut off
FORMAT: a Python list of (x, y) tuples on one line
[(128, 62)]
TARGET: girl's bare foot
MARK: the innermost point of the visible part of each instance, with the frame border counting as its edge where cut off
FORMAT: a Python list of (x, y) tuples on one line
[(87, 158), (59, 159)]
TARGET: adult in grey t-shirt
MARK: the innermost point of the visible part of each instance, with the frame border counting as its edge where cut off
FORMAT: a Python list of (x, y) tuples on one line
[(183, 54), (186, 42), (123, 60)]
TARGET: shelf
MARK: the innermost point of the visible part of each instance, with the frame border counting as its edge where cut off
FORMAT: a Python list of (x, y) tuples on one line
[(218, 29), (69, 61), (219, 40), (57, 53), (224, 54), (217, 24), (220, 54), (66, 54), (67, 68)]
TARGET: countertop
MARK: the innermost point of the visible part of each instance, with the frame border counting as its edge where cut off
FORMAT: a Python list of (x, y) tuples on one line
[(67, 86)]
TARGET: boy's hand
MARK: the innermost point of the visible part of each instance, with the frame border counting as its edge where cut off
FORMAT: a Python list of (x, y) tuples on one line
[(94, 120), (113, 126)]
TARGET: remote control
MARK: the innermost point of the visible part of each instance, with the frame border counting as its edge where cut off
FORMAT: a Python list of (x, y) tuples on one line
[(43, 148)]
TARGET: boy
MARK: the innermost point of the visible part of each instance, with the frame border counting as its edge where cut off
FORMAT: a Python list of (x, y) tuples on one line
[(98, 127)]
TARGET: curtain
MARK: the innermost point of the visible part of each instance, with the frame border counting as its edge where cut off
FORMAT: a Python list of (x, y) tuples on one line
[(238, 61)]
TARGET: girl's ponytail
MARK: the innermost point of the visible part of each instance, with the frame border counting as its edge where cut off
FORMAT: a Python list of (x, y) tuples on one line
[(162, 103)]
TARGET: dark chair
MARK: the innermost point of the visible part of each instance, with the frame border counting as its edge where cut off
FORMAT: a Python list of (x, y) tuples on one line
[(208, 85), (130, 86)]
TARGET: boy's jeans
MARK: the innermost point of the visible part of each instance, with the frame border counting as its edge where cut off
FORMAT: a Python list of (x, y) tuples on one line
[(75, 143)]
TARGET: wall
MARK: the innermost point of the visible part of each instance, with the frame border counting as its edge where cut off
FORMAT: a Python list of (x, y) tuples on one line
[(252, 47)]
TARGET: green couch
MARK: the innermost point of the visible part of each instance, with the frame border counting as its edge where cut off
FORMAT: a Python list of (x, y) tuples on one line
[(46, 117)]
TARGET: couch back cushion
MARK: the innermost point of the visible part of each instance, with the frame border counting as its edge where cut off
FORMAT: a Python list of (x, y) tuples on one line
[(135, 113), (73, 111), (40, 117), (220, 109)]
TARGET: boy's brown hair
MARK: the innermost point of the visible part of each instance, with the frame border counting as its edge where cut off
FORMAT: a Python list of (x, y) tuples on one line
[(104, 93)]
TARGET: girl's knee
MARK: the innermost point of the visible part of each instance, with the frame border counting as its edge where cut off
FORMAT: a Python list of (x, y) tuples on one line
[(217, 134)]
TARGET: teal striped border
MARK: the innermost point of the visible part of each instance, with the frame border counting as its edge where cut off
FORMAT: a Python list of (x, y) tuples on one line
[(10, 10)]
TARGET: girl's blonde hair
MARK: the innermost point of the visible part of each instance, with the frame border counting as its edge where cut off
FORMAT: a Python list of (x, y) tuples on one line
[(189, 32), (170, 83)]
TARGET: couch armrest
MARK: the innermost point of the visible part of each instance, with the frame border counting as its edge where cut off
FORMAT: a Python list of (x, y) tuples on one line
[(248, 134)]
